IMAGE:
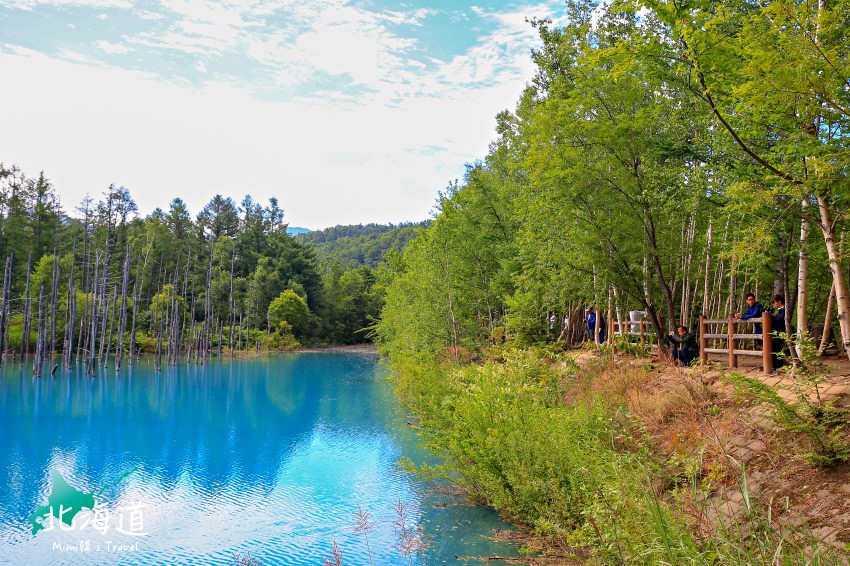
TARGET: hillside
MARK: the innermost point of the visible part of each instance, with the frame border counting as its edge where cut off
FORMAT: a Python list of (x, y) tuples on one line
[(356, 245)]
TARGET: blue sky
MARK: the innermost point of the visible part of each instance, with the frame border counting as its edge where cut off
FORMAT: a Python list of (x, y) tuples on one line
[(347, 111)]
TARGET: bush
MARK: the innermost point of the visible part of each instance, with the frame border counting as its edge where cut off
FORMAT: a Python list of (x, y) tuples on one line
[(281, 339), (291, 308)]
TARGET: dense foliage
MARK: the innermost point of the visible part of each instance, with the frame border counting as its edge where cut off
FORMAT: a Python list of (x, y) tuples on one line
[(353, 246), (667, 157), (168, 281)]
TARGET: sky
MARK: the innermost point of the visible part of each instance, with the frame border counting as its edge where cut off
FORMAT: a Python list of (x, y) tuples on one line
[(346, 111)]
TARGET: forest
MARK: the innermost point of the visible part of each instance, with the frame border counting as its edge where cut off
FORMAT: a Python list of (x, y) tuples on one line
[(103, 283), (352, 246), (667, 157)]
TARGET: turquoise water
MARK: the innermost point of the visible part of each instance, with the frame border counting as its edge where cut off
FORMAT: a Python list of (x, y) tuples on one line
[(268, 456)]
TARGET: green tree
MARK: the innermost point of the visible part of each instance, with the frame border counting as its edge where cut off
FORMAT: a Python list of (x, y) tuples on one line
[(289, 307), (219, 217), (774, 76)]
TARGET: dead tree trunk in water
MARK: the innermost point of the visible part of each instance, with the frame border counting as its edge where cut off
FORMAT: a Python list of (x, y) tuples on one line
[(161, 315), (92, 338), (39, 340), (68, 353), (231, 303), (139, 271), (4, 309), (104, 300), (122, 324), (54, 304), (105, 359), (25, 335), (205, 340), (248, 327)]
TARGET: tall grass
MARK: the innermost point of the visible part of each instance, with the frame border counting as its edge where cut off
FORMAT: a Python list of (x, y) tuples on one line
[(559, 450)]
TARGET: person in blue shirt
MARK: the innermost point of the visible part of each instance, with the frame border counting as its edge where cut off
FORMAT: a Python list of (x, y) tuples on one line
[(590, 325), (754, 310)]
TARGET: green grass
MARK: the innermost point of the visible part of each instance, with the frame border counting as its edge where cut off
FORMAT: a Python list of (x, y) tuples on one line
[(511, 442)]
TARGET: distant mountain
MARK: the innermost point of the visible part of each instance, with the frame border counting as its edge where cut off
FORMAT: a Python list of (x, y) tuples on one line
[(355, 245), (294, 230)]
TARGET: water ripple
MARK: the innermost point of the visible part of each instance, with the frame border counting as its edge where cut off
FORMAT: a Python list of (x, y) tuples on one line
[(271, 457)]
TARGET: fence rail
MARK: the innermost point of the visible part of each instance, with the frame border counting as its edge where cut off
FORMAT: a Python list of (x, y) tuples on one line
[(732, 337), (617, 326)]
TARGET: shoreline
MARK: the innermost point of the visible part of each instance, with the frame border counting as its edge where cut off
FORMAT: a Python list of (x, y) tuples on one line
[(354, 348)]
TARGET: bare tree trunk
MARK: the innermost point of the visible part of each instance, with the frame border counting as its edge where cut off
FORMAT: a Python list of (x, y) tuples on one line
[(54, 303), (122, 325), (827, 321), (239, 342), (248, 327), (687, 261), (231, 303), (25, 335), (803, 275), (161, 315), (105, 358), (5, 307), (205, 341), (72, 320), (190, 347), (709, 240), (39, 340), (666, 290), (620, 321), (104, 300), (842, 296), (596, 311), (92, 338)]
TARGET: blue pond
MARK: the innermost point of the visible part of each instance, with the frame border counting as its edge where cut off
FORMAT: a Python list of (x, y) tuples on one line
[(269, 456)]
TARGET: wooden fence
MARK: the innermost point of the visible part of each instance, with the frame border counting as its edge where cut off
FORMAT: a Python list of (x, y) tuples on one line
[(732, 338), (627, 328), (727, 331)]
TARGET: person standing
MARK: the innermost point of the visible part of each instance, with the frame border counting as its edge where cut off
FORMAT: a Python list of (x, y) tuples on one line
[(777, 323), (590, 324)]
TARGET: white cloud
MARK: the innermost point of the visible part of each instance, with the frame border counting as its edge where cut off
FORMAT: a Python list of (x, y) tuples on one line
[(89, 127), (76, 57), (32, 4), (150, 16), (499, 56), (112, 48), (380, 156)]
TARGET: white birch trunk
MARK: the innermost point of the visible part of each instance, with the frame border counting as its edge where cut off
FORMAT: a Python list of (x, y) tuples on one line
[(842, 296), (803, 276)]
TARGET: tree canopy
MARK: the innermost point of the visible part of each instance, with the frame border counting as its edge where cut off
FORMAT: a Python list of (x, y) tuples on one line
[(666, 157)]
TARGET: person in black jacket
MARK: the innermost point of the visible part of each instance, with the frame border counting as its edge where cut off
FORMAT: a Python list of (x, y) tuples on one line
[(777, 324), (684, 344)]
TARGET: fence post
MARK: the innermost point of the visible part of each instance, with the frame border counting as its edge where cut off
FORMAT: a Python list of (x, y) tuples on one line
[(642, 333), (703, 341), (766, 343), (733, 359)]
